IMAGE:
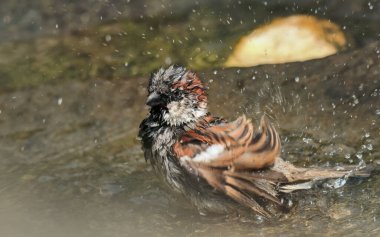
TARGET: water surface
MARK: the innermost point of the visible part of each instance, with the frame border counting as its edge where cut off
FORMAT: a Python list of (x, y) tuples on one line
[(71, 103)]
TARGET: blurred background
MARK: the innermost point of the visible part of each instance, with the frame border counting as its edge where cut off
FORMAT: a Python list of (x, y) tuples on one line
[(112, 39), (72, 94)]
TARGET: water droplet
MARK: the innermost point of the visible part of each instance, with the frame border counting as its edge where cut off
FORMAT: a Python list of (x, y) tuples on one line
[(370, 6), (355, 100), (340, 182), (369, 147), (168, 60), (359, 156), (108, 38), (307, 140)]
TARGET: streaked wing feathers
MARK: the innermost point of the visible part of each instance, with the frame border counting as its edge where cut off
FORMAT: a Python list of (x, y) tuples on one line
[(244, 148), (227, 156)]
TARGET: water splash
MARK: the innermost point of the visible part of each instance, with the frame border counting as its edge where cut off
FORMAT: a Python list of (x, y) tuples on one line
[(340, 182)]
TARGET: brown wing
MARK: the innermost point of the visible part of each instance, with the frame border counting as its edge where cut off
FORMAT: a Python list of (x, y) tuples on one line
[(239, 146), (224, 154)]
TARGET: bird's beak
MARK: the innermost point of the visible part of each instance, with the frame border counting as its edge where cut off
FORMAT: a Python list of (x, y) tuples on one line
[(154, 99)]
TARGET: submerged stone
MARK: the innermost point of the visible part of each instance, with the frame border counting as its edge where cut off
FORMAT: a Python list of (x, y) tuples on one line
[(289, 39)]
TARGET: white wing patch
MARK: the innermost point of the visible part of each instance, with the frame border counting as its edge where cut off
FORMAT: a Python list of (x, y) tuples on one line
[(210, 154)]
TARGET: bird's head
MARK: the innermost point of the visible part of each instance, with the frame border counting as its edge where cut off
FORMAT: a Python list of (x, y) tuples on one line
[(177, 96)]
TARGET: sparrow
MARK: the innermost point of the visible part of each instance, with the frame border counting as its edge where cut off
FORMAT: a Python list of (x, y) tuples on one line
[(211, 160)]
